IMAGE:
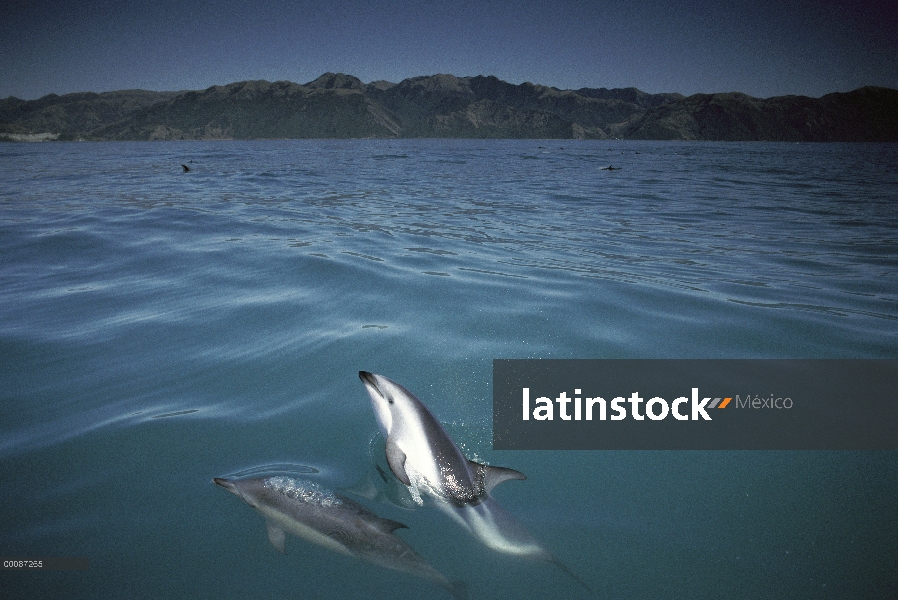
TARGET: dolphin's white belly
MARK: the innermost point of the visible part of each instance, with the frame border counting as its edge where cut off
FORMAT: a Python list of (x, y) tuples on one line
[(489, 523)]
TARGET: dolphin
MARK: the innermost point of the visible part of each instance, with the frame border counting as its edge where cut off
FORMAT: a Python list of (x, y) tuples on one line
[(423, 457), (316, 514), (420, 452)]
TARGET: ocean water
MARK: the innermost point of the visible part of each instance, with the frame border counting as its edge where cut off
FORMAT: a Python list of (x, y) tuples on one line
[(159, 328)]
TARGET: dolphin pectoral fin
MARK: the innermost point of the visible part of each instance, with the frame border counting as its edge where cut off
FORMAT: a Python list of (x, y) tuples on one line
[(493, 476), (276, 536), (396, 460)]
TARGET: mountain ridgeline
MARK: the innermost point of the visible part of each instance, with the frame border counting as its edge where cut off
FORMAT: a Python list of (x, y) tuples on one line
[(445, 106)]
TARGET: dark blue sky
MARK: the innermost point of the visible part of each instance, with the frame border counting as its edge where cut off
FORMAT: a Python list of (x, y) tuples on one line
[(760, 47)]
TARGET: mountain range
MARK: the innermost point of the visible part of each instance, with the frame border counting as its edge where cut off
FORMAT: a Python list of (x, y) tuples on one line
[(444, 106)]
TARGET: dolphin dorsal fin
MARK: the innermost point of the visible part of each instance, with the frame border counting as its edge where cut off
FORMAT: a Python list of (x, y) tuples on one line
[(493, 476), (396, 460), (276, 536), (389, 525)]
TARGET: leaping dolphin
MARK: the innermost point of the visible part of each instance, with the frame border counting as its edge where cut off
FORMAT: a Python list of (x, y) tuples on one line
[(316, 514), (420, 452), (423, 456)]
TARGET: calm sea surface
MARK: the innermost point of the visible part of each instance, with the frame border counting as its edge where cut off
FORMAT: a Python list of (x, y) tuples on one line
[(159, 328)]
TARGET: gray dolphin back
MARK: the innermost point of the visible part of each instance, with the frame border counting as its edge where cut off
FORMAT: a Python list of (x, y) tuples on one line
[(323, 517)]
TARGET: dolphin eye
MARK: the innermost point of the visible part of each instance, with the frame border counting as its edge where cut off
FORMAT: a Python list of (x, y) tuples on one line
[(390, 400)]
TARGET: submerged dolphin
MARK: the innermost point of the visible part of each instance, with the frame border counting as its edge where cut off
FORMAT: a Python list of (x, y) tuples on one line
[(332, 521), (423, 456)]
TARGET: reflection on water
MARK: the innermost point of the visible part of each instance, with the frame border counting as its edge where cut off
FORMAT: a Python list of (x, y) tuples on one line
[(159, 328)]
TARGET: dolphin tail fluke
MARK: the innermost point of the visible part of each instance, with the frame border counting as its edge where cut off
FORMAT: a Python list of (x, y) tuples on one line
[(458, 589), (564, 568)]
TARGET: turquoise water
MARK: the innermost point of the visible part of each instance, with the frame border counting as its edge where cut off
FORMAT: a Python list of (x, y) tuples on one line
[(160, 328)]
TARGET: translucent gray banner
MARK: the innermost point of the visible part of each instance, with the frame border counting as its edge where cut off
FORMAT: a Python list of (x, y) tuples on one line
[(690, 404)]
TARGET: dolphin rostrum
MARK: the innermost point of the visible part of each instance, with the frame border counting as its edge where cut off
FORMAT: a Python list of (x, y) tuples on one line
[(333, 521), (423, 456)]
